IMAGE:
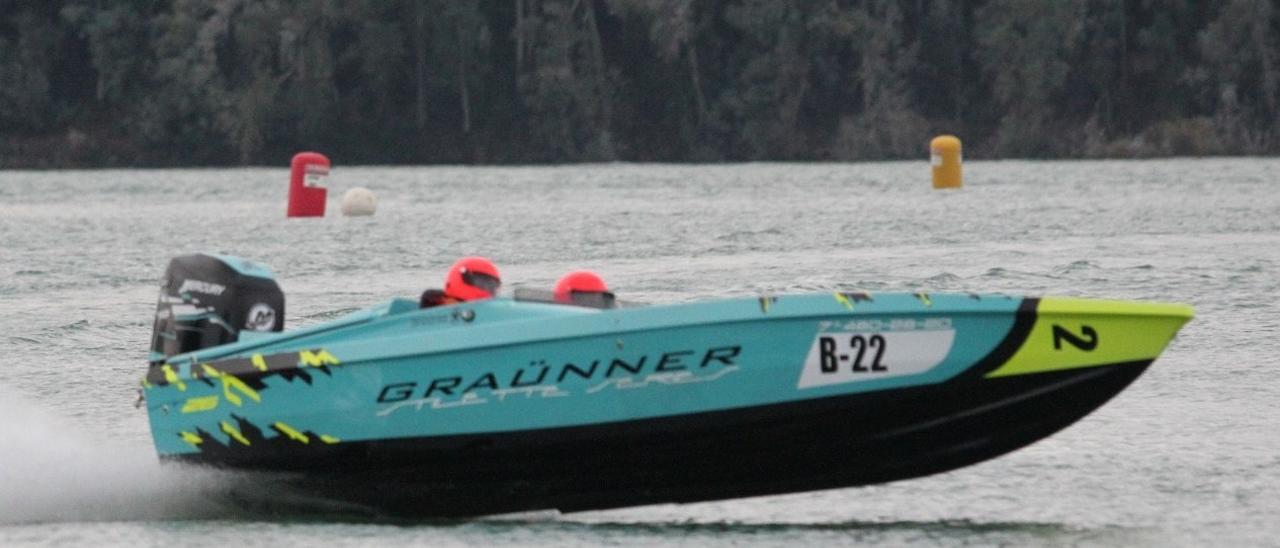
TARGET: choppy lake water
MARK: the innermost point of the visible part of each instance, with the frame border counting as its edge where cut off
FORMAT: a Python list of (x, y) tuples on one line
[(1188, 455)]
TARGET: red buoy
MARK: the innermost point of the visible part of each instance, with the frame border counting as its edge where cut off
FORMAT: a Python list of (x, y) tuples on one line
[(306, 193)]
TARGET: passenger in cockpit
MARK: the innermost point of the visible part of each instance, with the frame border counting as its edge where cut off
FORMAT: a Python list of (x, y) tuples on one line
[(584, 288)]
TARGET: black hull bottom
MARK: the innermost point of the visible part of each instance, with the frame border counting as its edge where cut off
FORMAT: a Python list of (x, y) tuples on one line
[(803, 446)]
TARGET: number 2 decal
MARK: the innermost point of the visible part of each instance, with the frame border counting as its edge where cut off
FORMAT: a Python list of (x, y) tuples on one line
[(1087, 340)]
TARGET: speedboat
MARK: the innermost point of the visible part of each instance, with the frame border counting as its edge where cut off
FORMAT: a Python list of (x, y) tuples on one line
[(519, 404)]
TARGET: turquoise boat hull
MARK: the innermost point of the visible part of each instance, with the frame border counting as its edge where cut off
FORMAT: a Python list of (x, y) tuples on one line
[(505, 405)]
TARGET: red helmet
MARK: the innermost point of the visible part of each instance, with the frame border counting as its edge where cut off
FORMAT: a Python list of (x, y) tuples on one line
[(472, 279), (578, 281)]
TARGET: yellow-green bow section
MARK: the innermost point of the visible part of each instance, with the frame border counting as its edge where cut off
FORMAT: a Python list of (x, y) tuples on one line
[(1074, 333)]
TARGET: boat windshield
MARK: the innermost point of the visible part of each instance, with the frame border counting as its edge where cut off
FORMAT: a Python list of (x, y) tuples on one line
[(602, 301)]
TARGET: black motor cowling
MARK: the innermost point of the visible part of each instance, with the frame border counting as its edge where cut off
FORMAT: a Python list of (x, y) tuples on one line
[(207, 300)]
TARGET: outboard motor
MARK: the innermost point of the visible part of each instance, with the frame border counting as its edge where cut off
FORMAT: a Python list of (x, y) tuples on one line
[(208, 300)]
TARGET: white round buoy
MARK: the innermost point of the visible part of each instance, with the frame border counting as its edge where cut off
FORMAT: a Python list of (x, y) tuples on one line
[(359, 201)]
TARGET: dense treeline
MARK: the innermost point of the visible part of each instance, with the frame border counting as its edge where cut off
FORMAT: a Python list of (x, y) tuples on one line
[(163, 82)]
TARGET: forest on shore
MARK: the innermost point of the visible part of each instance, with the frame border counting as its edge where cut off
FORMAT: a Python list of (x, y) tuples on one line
[(91, 83)]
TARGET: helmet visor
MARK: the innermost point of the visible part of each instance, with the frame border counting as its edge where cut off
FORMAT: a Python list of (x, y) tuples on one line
[(593, 299), (482, 281)]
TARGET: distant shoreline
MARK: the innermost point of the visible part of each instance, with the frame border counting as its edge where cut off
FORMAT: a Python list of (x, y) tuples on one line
[(76, 150), (536, 82)]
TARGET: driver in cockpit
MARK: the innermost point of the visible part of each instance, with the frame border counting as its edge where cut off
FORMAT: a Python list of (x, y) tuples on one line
[(469, 279)]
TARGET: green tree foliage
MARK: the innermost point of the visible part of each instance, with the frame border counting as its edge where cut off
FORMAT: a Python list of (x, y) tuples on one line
[(566, 87), (29, 48), (887, 124), (1241, 50), (171, 82), (1024, 49)]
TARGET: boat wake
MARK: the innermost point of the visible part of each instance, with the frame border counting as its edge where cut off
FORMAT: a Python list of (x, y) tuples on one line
[(51, 471)]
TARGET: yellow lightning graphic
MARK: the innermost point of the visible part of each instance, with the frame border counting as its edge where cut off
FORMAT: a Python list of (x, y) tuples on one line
[(318, 358), (193, 439), (293, 434), (229, 382), (171, 377), (196, 405), (234, 433)]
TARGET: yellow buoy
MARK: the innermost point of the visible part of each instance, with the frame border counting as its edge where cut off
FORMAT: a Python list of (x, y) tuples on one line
[(944, 155)]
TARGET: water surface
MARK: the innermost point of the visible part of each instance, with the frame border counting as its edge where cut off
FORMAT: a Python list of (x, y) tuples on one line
[(1188, 455)]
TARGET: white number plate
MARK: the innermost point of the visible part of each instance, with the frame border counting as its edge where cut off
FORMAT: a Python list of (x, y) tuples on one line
[(838, 358)]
